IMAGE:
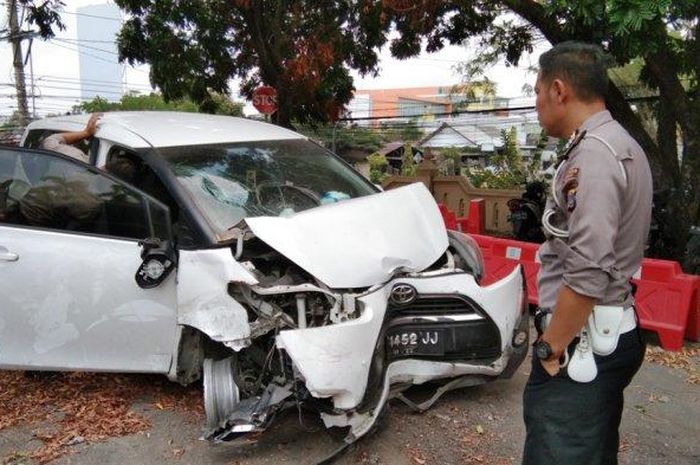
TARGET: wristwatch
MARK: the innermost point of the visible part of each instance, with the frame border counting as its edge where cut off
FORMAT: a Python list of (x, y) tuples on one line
[(543, 350)]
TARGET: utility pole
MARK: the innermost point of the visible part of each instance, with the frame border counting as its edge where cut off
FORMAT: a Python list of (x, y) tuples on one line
[(16, 39)]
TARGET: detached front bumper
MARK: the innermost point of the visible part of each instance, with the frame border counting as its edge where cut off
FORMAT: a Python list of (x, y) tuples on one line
[(355, 363)]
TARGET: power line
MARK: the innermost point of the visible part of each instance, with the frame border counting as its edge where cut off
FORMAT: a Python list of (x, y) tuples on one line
[(50, 84), (101, 86), (71, 42), (70, 80), (453, 113), (70, 97), (53, 42), (87, 15), (466, 112), (84, 89), (92, 41), (92, 55)]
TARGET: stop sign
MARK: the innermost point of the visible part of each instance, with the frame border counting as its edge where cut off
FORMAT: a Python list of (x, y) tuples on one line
[(265, 100)]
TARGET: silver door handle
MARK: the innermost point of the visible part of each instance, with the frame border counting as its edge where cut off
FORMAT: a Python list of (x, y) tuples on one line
[(8, 257)]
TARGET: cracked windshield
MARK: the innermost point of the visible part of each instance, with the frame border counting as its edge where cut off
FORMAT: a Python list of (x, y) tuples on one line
[(230, 182)]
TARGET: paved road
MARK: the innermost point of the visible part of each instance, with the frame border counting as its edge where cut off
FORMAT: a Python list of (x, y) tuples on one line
[(479, 425)]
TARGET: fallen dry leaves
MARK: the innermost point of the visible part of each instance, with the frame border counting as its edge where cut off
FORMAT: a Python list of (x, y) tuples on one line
[(687, 359), (625, 445), (417, 456), (475, 443), (71, 408), (478, 448)]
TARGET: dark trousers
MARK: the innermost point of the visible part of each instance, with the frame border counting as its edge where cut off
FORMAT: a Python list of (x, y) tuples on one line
[(571, 423)]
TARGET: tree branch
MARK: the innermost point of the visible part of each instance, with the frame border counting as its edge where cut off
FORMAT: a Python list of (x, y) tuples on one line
[(534, 13)]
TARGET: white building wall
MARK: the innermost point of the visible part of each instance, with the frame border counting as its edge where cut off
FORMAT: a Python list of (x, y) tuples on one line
[(100, 73)]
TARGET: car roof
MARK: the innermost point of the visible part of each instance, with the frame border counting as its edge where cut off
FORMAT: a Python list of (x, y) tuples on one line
[(140, 129)]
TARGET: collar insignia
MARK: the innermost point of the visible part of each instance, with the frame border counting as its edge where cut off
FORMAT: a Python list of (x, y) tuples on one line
[(574, 140)]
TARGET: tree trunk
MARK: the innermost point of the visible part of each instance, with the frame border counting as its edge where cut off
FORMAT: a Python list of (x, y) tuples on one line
[(18, 63), (281, 118), (663, 168), (674, 230), (679, 107), (691, 166)]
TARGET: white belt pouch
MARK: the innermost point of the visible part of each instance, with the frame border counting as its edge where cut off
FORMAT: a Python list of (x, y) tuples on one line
[(604, 326)]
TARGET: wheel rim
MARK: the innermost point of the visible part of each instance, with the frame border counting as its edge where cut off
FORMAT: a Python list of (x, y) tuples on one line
[(221, 394)]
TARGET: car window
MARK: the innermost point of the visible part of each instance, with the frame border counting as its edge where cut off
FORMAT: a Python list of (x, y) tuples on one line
[(35, 137), (130, 167), (45, 191), (123, 164)]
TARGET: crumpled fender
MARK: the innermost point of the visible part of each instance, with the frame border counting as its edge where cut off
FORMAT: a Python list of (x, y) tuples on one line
[(335, 359), (203, 300)]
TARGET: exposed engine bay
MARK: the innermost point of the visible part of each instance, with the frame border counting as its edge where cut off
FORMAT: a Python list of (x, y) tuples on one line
[(289, 333)]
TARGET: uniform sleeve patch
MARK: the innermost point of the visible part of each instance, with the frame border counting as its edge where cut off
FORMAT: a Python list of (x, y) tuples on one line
[(570, 187)]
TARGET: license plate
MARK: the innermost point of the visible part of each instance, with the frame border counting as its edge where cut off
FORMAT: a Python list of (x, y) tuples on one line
[(418, 342)]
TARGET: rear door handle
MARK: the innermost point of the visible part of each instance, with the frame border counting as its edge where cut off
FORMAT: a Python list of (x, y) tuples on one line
[(7, 256)]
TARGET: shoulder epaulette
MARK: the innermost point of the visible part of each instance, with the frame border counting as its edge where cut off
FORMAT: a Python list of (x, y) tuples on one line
[(569, 147)]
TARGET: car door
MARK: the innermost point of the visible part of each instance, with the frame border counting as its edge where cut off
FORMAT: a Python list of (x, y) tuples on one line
[(69, 253)]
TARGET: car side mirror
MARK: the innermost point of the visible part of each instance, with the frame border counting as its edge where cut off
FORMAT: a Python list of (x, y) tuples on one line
[(159, 260)]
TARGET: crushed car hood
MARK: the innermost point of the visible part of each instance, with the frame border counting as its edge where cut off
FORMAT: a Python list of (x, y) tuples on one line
[(363, 241)]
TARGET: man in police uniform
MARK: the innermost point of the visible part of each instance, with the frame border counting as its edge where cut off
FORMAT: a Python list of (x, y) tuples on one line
[(597, 221), (64, 142)]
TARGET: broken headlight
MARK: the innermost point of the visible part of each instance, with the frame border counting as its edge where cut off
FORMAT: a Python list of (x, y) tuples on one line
[(467, 254)]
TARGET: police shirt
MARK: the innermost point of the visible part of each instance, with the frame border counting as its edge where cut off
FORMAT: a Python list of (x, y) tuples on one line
[(57, 143), (603, 192)]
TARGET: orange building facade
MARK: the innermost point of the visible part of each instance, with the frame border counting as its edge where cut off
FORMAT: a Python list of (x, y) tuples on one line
[(411, 102)]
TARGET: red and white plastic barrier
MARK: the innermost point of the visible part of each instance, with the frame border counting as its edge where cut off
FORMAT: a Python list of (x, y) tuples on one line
[(667, 299), (473, 223), (667, 302), (501, 256)]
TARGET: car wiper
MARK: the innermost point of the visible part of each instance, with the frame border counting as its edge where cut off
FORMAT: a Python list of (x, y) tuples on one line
[(261, 211)]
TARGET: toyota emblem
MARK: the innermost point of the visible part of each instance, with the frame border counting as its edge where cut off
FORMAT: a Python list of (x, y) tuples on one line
[(403, 294)]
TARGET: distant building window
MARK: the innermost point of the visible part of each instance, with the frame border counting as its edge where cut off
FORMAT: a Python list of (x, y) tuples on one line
[(412, 108)]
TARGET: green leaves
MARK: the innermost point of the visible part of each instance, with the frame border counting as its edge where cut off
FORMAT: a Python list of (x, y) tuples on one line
[(217, 103), (409, 167), (377, 168), (45, 15), (629, 16), (304, 49), (507, 170)]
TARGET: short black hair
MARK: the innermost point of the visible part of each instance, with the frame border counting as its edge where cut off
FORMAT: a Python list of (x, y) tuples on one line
[(582, 65)]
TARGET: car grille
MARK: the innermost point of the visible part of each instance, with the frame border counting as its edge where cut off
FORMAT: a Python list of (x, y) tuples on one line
[(436, 304), (467, 333)]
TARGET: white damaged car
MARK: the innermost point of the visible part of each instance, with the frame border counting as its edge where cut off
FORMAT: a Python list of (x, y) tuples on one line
[(242, 253)]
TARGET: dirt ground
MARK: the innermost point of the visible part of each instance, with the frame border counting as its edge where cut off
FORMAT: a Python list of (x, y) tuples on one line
[(481, 425)]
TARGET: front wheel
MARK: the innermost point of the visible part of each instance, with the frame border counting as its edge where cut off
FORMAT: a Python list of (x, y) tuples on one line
[(221, 393)]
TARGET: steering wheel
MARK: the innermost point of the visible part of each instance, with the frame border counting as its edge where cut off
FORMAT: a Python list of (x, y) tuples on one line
[(277, 196)]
